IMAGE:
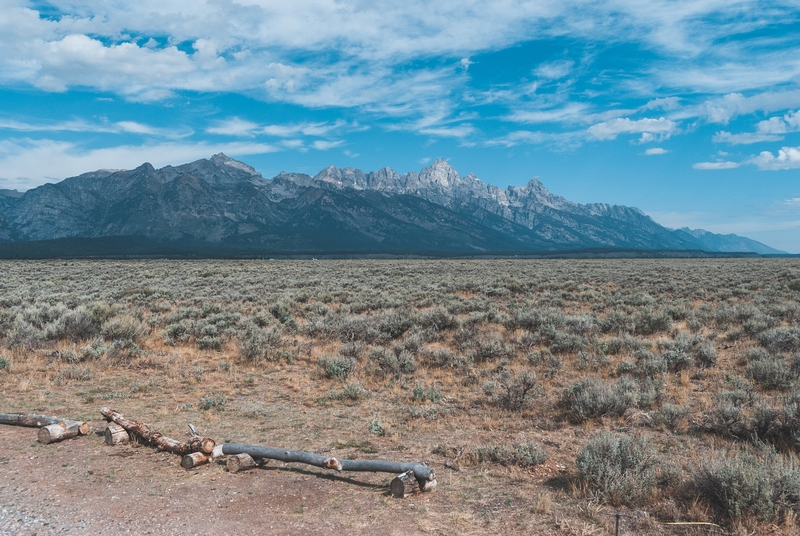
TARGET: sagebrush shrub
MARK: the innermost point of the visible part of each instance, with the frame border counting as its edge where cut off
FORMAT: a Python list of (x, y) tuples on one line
[(336, 367), (620, 469), (764, 485)]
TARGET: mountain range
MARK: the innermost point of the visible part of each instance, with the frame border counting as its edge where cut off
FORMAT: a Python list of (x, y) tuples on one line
[(223, 204)]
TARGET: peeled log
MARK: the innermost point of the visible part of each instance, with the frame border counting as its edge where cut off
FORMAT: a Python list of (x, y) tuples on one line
[(421, 471), (190, 461), (116, 435), (37, 421), (63, 430), (243, 462), (148, 435)]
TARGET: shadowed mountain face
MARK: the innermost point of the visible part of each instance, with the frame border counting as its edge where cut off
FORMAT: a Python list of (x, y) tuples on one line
[(222, 202)]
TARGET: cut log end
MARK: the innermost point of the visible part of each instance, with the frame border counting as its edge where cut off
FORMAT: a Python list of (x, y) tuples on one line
[(116, 435), (404, 485), (58, 432), (332, 463), (195, 459), (243, 462), (217, 452)]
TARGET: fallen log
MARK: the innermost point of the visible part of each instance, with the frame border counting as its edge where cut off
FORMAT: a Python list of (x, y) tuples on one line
[(162, 442), (243, 462), (33, 420), (60, 431), (116, 435), (404, 485), (421, 471), (190, 461)]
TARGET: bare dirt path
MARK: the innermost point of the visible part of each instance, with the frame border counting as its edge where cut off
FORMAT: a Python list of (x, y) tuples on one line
[(82, 486)]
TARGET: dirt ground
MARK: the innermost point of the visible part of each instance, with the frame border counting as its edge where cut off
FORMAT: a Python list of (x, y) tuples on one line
[(82, 486)]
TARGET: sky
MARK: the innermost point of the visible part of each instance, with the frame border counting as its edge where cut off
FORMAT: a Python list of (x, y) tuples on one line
[(686, 109)]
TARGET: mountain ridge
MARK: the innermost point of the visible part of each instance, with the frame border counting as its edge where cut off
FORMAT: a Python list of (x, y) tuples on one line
[(221, 200)]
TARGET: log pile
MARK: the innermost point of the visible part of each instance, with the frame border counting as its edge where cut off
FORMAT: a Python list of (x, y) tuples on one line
[(196, 443), (51, 429), (412, 477)]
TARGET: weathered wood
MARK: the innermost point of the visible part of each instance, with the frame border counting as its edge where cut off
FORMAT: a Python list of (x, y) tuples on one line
[(148, 435), (243, 462), (58, 432), (421, 470), (427, 485), (404, 485), (195, 459), (116, 435), (37, 421)]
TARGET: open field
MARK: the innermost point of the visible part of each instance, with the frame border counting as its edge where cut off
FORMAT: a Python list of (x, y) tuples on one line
[(563, 391)]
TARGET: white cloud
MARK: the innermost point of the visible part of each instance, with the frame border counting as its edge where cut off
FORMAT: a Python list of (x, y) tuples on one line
[(324, 145), (655, 150), (650, 129), (787, 158), (554, 70), (716, 165), (787, 206), (745, 138), (570, 112), (106, 127), (732, 105), (29, 163), (234, 127), (460, 131), (465, 63), (771, 129)]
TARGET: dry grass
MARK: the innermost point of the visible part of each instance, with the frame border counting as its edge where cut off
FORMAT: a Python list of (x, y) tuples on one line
[(249, 350)]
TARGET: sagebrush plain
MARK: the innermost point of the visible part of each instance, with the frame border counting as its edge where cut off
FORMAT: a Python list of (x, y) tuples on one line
[(548, 395)]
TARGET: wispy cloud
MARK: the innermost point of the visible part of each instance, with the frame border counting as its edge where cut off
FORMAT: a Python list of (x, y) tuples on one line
[(716, 165), (79, 125), (650, 129), (655, 151)]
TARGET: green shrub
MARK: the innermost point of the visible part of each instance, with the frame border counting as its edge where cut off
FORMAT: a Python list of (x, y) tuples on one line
[(336, 367), (4, 364), (394, 365), (771, 373), (209, 342), (122, 328), (522, 454), (780, 339), (592, 397), (422, 393), (619, 469), (764, 485), (257, 343), (212, 401), (516, 392)]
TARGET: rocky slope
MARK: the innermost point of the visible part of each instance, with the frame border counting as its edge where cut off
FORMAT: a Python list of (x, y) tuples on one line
[(222, 202)]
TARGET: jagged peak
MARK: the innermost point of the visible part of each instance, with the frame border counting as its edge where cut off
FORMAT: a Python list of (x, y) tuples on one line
[(221, 159)]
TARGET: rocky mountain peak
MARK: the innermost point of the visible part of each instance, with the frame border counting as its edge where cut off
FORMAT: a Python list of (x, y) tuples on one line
[(221, 159), (440, 174)]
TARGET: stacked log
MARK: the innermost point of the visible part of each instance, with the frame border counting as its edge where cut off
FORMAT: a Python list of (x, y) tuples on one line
[(51, 429), (152, 437)]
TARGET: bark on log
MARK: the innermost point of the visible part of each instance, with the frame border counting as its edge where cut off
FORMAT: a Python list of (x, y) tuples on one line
[(37, 421), (58, 432), (116, 435), (404, 485), (420, 470), (243, 462), (190, 461), (195, 444)]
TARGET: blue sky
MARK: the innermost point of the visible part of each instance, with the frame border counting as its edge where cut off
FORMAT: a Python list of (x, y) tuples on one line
[(689, 110)]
